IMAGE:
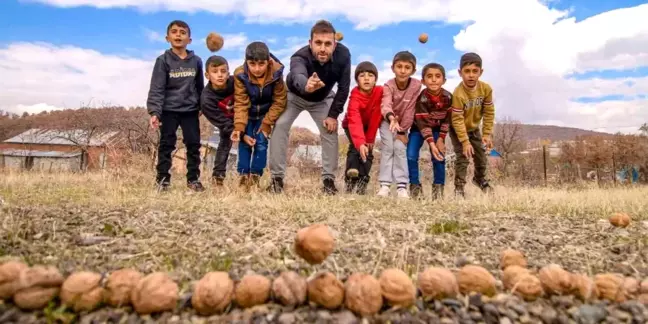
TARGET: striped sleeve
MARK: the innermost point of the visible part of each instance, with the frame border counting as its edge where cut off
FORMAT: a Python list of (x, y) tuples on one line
[(488, 111)]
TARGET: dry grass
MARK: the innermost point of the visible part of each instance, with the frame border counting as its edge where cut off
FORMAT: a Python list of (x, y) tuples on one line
[(103, 221)]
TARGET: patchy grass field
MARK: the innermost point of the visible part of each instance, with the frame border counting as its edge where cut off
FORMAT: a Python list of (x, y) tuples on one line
[(102, 222)]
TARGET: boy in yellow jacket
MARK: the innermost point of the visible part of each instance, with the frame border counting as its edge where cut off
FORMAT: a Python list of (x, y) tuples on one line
[(472, 102)]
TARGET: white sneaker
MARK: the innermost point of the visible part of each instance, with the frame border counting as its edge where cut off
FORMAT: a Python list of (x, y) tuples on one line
[(384, 191), (402, 193)]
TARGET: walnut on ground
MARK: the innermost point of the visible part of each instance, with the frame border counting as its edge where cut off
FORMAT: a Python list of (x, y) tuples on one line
[(154, 293), (326, 290), (252, 290), (363, 294), (213, 293)]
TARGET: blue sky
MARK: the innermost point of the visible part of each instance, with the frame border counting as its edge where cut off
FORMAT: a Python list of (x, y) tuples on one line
[(529, 60)]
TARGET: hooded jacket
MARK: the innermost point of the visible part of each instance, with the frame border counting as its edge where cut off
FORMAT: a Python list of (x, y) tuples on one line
[(217, 106), (259, 98), (176, 84), (363, 115)]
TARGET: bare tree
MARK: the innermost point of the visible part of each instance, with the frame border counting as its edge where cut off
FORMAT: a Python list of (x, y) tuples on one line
[(508, 139)]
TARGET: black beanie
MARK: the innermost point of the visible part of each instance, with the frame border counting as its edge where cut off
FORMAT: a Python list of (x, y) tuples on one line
[(365, 66)]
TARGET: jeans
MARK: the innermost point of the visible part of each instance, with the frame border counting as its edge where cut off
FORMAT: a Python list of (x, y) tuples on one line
[(249, 162), (190, 125), (413, 149)]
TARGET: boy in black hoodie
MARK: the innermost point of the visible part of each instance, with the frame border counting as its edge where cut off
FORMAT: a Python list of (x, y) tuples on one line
[(217, 105), (173, 100)]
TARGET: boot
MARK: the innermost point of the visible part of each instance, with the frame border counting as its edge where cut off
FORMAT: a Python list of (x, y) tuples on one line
[(437, 191), (218, 181), (254, 180), (351, 184), (329, 187), (459, 192), (244, 182), (416, 190), (483, 185)]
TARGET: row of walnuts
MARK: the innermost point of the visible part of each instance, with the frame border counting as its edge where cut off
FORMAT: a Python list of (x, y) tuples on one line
[(35, 287)]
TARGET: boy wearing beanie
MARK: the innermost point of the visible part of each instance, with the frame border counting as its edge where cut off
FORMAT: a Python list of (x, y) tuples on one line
[(361, 125)]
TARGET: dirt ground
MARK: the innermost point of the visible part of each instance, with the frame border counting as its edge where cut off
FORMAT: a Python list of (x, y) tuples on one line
[(102, 222)]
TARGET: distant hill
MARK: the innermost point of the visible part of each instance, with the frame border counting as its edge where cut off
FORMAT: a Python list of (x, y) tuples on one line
[(556, 133)]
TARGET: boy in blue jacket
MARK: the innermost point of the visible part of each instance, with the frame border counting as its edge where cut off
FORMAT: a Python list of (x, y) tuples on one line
[(259, 99)]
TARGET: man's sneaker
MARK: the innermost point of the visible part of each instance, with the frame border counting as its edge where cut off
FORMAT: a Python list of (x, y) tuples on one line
[(437, 191), (460, 193), (276, 185), (329, 187), (384, 191), (195, 186), (402, 193), (416, 190), (483, 185)]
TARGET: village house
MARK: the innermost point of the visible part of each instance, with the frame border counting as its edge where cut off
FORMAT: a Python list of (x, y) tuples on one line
[(59, 150)]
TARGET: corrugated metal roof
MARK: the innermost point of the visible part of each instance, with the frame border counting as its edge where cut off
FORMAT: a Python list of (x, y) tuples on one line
[(53, 154), (60, 137)]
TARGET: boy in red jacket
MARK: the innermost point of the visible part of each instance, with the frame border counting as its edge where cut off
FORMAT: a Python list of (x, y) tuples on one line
[(361, 125)]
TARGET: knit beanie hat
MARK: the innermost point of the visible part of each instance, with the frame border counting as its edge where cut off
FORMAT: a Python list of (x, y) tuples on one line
[(405, 56), (365, 66)]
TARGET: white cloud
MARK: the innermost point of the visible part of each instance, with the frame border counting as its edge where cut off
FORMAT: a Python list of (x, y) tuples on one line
[(43, 75), (154, 36), (529, 51)]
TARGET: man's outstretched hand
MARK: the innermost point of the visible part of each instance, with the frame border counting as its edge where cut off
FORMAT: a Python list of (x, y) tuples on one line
[(314, 83)]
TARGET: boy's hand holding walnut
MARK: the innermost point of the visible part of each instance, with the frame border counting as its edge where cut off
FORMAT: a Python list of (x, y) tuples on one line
[(249, 140), (154, 122), (488, 141), (364, 151), (468, 150), (236, 136)]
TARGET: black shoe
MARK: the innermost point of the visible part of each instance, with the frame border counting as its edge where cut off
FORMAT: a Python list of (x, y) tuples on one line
[(196, 186), (437, 191), (362, 185), (350, 185), (329, 187), (483, 185), (460, 193), (219, 181), (163, 186), (416, 190), (276, 185)]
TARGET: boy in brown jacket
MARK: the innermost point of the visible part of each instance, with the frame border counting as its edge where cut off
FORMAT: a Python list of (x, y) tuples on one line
[(259, 99)]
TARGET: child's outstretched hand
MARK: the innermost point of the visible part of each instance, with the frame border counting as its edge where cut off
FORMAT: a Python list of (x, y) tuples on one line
[(435, 152), (249, 140), (364, 151), (440, 144), (393, 124)]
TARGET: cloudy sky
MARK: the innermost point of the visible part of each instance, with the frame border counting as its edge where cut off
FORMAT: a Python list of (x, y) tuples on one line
[(572, 63)]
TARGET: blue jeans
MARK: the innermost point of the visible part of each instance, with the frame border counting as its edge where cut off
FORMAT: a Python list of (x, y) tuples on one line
[(414, 144), (247, 161)]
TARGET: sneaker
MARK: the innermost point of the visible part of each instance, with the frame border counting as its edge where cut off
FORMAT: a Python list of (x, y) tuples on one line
[(402, 193), (437, 191), (416, 190), (353, 173), (254, 180), (218, 181), (196, 186), (276, 185), (384, 191), (361, 187), (460, 193), (329, 187), (483, 185), (163, 186)]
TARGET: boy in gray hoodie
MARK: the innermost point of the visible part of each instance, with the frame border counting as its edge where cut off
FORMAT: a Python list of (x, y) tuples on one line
[(174, 101)]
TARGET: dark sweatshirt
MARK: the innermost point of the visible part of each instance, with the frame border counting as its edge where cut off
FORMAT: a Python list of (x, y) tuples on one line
[(176, 84), (337, 70), (218, 106)]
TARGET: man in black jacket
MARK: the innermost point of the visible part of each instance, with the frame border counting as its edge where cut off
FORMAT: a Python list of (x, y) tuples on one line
[(314, 70), (173, 100)]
